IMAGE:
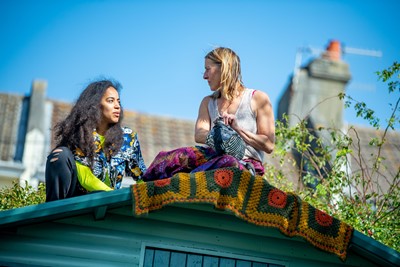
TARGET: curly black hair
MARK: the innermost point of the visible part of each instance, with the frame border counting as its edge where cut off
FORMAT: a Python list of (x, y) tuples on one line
[(76, 130)]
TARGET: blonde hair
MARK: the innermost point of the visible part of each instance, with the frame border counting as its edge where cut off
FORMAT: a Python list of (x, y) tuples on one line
[(231, 76)]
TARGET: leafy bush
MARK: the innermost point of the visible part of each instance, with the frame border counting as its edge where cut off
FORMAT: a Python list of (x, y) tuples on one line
[(324, 178), (21, 196)]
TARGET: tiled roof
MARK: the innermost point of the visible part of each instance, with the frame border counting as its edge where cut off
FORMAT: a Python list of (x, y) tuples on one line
[(10, 116), (60, 111), (160, 133), (390, 154), (157, 133)]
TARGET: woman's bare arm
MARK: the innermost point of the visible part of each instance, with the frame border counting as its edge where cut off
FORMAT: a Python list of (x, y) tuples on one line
[(264, 139), (203, 122)]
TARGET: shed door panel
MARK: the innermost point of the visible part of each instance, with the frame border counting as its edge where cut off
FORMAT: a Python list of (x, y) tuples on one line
[(155, 257)]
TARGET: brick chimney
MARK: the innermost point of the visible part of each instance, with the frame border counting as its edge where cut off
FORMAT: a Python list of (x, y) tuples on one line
[(34, 154), (313, 95)]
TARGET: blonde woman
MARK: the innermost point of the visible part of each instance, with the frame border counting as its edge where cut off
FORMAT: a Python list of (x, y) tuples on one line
[(248, 112)]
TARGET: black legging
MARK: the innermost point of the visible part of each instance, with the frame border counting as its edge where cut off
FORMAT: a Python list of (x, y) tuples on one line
[(61, 174)]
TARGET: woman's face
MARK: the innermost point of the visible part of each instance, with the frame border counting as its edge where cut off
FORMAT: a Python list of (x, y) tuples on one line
[(110, 106), (212, 74)]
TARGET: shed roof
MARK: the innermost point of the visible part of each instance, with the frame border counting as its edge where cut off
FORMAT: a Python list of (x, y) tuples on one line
[(99, 204)]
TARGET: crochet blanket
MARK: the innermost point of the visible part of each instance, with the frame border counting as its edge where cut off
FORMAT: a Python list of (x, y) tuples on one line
[(252, 199)]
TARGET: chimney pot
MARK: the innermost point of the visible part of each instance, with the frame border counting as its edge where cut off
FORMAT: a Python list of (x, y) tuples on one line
[(333, 51)]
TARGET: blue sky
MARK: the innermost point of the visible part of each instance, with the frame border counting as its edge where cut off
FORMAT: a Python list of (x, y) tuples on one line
[(156, 49)]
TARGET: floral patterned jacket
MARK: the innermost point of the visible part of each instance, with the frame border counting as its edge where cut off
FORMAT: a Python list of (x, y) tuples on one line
[(127, 162)]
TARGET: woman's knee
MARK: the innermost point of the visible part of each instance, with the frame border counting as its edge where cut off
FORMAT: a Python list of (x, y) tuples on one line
[(60, 168), (60, 154)]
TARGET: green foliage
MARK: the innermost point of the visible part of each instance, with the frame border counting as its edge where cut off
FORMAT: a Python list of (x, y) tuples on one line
[(21, 196), (322, 159)]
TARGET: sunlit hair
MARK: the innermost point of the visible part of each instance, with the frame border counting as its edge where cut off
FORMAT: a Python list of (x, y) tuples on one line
[(76, 130), (231, 77)]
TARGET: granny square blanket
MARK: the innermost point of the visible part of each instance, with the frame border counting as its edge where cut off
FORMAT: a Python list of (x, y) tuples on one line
[(250, 198)]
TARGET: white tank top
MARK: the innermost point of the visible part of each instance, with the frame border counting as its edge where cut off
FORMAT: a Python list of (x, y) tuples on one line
[(246, 119)]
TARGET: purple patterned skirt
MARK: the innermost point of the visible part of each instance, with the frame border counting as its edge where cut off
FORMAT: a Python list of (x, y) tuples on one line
[(194, 159)]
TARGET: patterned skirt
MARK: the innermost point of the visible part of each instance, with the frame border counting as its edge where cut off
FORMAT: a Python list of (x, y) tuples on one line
[(194, 159)]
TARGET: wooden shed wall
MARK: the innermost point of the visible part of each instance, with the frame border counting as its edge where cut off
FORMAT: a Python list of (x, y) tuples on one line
[(119, 239)]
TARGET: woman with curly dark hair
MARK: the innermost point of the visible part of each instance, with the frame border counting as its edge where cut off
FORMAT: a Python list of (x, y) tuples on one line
[(93, 152)]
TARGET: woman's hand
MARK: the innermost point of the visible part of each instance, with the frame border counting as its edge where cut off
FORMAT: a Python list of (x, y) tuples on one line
[(264, 139), (230, 119)]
